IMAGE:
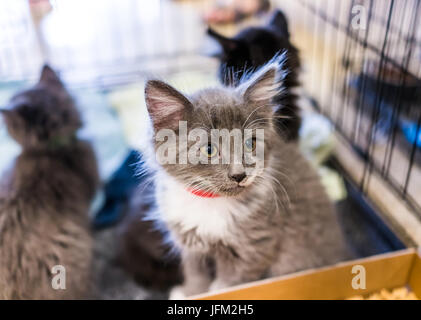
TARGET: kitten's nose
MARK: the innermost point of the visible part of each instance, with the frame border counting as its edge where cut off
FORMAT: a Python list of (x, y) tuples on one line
[(238, 177)]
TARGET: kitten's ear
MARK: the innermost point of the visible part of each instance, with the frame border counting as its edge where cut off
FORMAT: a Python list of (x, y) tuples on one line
[(279, 24), (6, 113), (227, 44), (49, 76), (263, 85), (165, 104)]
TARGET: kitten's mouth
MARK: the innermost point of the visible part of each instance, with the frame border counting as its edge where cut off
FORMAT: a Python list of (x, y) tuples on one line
[(232, 191), (246, 182), (237, 188)]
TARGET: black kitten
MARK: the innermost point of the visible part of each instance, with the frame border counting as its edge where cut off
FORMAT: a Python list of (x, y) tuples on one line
[(252, 48)]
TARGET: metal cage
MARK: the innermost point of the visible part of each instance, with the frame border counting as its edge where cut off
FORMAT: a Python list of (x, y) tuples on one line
[(363, 71)]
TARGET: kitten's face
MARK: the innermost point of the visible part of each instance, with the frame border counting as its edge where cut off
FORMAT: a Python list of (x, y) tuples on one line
[(246, 107), (42, 114)]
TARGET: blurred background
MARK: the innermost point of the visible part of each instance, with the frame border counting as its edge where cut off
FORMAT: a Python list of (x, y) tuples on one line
[(360, 90)]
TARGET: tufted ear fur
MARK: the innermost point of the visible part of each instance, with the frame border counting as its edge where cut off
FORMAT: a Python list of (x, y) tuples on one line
[(264, 84)]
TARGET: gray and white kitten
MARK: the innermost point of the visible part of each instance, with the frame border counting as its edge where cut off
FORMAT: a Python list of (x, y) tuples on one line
[(270, 221), (45, 197)]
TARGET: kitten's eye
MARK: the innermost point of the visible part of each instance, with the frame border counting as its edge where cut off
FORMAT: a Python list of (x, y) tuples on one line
[(250, 144), (209, 150)]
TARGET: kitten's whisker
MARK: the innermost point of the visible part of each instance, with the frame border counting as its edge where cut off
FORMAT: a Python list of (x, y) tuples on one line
[(255, 110), (263, 182), (270, 118), (283, 189), (261, 120)]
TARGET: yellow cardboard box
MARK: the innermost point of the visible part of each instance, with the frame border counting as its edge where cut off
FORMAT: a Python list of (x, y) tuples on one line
[(390, 270)]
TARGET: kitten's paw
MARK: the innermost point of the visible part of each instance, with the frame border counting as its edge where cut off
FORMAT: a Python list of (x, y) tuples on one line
[(218, 285), (177, 293)]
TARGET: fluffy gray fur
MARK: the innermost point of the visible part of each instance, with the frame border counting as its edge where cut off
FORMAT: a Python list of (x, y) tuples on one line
[(45, 197), (279, 223)]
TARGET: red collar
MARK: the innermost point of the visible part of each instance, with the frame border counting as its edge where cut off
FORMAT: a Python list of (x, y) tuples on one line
[(203, 194)]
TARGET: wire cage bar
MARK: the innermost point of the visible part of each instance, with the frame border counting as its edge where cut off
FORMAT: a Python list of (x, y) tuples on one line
[(365, 62)]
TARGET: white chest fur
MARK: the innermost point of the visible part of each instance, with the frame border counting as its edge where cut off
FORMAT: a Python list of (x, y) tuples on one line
[(212, 218)]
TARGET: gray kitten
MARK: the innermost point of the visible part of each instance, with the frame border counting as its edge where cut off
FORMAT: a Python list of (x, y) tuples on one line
[(45, 198), (246, 221)]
